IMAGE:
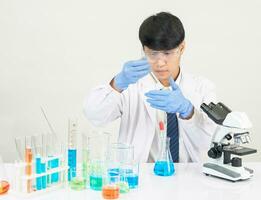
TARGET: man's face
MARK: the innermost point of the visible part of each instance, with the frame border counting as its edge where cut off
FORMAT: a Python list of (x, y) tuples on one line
[(164, 63)]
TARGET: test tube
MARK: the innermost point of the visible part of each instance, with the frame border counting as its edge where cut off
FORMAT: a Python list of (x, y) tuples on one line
[(72, 153), (53, 153), (44, 161), (44, 177), (28, 160), (19, 183), (20, 144), (38, 146), (86, 159)]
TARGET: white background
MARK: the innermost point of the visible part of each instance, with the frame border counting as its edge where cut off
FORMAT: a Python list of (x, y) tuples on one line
[(52, 52)]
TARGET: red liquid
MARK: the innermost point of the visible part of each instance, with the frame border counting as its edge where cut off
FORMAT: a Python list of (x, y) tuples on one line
[(110, 192), (4, 187)]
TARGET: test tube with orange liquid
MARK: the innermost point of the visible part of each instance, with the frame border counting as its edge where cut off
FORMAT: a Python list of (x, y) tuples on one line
[(28, 161)]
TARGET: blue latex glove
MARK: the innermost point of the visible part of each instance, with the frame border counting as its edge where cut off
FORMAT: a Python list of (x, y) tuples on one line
[(170, 101), (132, 71)]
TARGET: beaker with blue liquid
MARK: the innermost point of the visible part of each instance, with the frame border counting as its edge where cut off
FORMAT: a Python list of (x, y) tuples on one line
[(164, 165), (121, 161), (130, 173)]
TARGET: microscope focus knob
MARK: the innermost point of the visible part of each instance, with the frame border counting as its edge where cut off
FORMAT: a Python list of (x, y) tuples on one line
[(236, 162), (215, 152), (228, 137)]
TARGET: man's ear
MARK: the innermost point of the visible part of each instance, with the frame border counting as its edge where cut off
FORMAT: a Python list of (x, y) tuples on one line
[(182, 47)]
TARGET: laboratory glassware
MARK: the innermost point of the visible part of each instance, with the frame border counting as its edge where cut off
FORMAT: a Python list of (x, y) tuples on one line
[(4, 185), (110, 188), (164, 165)]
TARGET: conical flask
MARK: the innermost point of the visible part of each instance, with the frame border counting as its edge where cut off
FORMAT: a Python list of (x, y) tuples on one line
[(164, 165)]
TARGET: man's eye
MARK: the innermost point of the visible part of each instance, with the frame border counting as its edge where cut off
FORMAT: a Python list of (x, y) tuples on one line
[(167, 53)]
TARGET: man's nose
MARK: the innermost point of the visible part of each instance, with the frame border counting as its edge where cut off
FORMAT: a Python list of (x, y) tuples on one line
[(161, 62)]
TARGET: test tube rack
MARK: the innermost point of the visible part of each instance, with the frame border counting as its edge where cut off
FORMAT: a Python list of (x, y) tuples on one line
[(21, 180)]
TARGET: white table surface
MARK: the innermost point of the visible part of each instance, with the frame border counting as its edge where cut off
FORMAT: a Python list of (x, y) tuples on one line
[(187, 183)]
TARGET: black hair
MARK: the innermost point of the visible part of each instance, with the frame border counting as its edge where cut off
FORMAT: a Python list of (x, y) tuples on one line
[(162, 31)]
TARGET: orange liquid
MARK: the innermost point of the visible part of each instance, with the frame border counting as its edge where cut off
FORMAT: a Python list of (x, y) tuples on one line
[(110, 192), (4, 187), (28, 167)]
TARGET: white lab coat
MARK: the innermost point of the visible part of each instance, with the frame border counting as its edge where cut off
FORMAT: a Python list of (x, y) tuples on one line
[(138, 118)]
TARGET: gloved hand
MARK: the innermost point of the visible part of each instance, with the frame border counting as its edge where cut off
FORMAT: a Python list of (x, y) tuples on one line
[(132, 71), (170, 101)]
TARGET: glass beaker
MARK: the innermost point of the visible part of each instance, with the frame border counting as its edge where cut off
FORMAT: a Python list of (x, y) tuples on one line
[(98, 153), (119, 154), (78, 182), (97, 174), (119, 161), (110, 189), (130, 173), (164, 165)]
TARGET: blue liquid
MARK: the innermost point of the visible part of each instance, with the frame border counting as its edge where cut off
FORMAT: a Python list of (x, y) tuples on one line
[(126, 175), (71, 163), (38, 169), (164, 168), (113, 173), (96, 182), (44, 178), (55, 176), (133, 181)]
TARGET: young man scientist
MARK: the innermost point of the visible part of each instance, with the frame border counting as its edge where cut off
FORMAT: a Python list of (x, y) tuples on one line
[(152, 84)]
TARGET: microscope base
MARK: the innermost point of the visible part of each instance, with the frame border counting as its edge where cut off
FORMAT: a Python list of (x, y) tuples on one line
[(228, 172)]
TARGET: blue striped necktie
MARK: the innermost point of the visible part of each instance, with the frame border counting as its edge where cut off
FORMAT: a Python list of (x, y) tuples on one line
[(173, 133)]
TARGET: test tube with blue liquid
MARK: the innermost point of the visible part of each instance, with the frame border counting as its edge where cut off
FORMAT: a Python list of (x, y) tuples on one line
[(41, 182), (72, 152), (38, 146), (77, 172), (54, 154)]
